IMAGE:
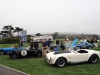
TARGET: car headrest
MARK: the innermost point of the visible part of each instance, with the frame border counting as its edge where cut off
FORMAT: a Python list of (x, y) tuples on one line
[(28, 47)]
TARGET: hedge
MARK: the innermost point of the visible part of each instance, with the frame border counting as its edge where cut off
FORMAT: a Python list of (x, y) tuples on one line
[(11, 40)]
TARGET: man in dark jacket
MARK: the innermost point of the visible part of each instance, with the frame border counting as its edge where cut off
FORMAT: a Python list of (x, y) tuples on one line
[(44, 48), (57, 43), (36, 44), (49, 42), (31, 45)]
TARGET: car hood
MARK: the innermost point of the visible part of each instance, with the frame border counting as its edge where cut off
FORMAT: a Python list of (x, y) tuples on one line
[(6, 48), (90, 50), (56, 53)]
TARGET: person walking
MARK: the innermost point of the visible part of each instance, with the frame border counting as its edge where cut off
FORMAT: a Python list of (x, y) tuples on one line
[(44, 49), (67, 44)]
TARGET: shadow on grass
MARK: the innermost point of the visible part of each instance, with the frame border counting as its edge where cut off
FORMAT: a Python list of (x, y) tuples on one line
[(70, 65), (21, 58)]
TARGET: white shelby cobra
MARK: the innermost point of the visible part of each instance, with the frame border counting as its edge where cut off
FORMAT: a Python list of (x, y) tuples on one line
[(60, 59)]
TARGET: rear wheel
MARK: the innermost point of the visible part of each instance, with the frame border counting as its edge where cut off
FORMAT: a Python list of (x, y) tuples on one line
[(61, 62), (93, 58), (2, 52), (39, 54)]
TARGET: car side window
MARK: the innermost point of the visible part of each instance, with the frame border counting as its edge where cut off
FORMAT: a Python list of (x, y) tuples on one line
[(82, 51)]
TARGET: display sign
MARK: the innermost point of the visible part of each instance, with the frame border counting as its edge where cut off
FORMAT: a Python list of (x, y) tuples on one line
[(23, 36)]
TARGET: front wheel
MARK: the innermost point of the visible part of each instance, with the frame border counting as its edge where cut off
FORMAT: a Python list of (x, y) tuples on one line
[(2, 52), (61, 62), (93, 59), (14, 55)]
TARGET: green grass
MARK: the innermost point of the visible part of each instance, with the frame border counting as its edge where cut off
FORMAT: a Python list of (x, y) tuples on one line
[(36, 66)]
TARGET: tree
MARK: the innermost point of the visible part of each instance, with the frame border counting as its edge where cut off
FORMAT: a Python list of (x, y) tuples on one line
[(0, 33), (8, 28), (95, 36), (55, 35), (38, 34), (4, 33), (17, 29), (28, 35)]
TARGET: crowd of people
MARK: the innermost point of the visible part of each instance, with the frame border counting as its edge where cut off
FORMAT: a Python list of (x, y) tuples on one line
[(63, 44), (92, 41), (66, 44)]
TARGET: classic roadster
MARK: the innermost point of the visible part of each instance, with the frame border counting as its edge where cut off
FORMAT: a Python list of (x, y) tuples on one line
[(25, 53), (6, 50), (81, 45), (60, 59), (85, 45)]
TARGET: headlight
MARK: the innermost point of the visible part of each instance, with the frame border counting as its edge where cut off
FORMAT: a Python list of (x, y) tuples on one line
[(50, 59)]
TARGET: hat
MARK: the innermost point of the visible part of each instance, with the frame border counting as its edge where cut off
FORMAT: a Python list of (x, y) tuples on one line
[(67, 39)]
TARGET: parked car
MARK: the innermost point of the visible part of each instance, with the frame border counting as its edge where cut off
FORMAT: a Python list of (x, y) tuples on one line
[(84, 45), (60, 59), (52, 46), (6, 50), (15, 54)]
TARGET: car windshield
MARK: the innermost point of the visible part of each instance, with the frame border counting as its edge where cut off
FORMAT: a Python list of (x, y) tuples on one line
[(59, 52)]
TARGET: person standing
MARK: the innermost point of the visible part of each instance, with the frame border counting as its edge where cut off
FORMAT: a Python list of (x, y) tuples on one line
[(31, 44), (85, 40), (55, 49), (20, 43), (44, 49), (88, 40), (62, 45), (95, 43), (57, 43), (92, 41), (49, 43), (67, 44), (36, 44)]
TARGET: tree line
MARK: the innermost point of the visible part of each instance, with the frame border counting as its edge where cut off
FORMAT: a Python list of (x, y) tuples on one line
[(9, 30), (71, 37)]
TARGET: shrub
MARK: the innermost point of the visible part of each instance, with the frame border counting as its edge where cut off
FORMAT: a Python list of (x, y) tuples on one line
[(9, 40), (12, 40)]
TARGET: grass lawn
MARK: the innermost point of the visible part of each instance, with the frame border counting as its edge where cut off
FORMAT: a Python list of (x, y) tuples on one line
[(35, 66)]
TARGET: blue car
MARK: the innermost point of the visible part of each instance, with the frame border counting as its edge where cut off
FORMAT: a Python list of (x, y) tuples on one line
[(85, 45), (6, 50), (81, 45)]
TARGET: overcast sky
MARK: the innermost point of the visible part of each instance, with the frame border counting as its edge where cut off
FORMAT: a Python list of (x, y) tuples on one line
[(48, 16)]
